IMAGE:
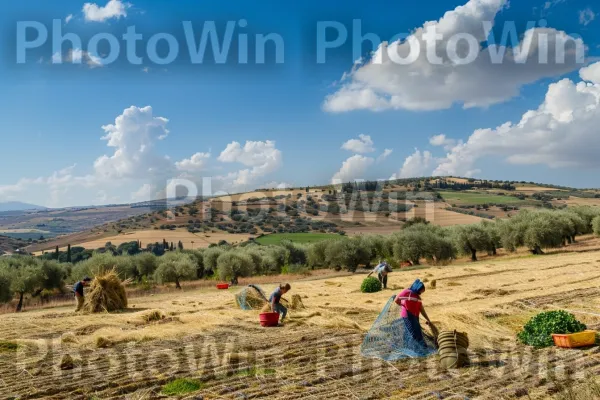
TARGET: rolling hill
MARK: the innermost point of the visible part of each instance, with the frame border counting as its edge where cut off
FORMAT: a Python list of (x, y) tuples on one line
[(352, 209), (19, 206)]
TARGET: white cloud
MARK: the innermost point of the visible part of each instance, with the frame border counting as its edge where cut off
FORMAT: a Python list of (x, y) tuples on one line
[(68, 18), (277, 185), (362, 145), (144, 193), (386, 153), (560, 133), (353, 168), (112, 9), (442, 141), (78, 56), (416, 165), (586, 16), (193, 164), (134, 162), (133, 136), (381, 84), (263, 157)]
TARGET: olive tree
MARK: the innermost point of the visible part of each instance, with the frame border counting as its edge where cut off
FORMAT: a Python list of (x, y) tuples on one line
[(175, 267), (27, 278), (6, 293), (596, 226), (145, 264), (232, 265), (210, 257), (469, 239), (315, 254)]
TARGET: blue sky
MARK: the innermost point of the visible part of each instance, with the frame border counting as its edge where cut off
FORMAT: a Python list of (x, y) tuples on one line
[(253, 126)]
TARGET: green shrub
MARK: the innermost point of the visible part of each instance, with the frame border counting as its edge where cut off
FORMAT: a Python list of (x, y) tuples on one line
[(371, 285), (181, 386), (538, 331)]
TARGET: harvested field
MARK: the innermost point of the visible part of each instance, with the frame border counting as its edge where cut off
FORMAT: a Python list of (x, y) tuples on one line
[(201, 240), (204, 337)]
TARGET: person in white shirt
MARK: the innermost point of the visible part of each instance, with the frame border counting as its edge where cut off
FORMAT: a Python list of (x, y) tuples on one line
[(382, 270)]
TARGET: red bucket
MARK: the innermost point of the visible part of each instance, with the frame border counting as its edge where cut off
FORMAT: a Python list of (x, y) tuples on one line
[(222, 286), (269, 319)]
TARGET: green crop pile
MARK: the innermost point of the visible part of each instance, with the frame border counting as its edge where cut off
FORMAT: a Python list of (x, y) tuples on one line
[(538, 331), (370, 285)]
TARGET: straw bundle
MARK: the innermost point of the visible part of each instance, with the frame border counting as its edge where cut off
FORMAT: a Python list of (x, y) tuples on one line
[(106, 294), (297, 303), (254, 298)]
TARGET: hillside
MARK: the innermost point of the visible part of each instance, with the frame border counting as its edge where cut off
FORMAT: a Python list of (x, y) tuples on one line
[(352, 209), (18, 206), (9, 245)]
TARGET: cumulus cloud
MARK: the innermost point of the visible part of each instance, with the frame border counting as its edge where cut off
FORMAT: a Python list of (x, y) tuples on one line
[(78, 56), (586, 16), (263, 158), (113, 9), (438, 79), (144, 193), (133, 136), (353, 168), (386, 153), (362, 145), (442, 141), (416, 165), (193, 164), (561, 132)]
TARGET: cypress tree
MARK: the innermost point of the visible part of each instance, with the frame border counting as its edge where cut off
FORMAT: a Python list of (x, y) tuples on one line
[(68, 253)]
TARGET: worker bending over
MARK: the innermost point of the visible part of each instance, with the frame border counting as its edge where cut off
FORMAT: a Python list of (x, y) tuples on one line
[(275, 300), (382, 270)]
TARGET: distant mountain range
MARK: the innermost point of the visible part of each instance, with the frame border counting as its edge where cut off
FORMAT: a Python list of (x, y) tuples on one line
[(19, 206)]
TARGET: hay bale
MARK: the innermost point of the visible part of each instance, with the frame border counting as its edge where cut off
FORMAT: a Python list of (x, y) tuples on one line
[(106, 294), (103, 343), (68, 337), (153, 316), (297, 303), (68, 363)]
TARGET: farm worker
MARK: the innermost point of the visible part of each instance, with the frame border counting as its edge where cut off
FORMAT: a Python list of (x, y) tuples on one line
[(382, 270), (411, 306), (275, 300), (78, 289)]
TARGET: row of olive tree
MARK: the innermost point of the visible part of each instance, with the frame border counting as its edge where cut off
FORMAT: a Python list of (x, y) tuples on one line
[(536, 230), (23, 275)]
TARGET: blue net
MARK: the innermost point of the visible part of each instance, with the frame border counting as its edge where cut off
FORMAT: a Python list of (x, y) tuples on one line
[(394, 338), (252, 297)]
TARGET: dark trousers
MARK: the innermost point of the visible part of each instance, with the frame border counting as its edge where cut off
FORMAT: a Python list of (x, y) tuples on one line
[(383, 280)]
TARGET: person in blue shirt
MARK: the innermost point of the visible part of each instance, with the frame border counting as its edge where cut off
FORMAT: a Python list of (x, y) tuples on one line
[(382, 270), (275, 300), (78, 290)]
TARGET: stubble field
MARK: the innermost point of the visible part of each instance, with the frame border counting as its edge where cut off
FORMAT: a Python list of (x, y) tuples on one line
[(205, 337)]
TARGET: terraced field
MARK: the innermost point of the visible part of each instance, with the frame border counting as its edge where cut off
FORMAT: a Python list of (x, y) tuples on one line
[(317, 354)]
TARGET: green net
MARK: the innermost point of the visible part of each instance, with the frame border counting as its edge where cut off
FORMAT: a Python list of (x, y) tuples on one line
[(394, 338)]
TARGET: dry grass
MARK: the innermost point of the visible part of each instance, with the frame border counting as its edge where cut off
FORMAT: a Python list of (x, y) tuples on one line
[(201, 240), (493, 302)]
